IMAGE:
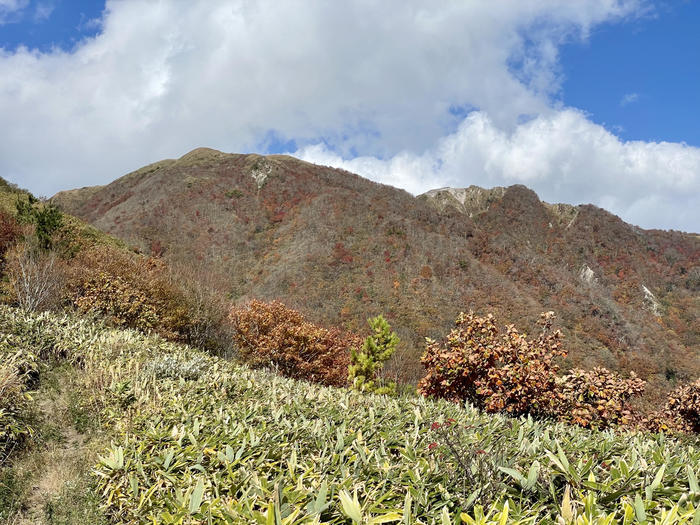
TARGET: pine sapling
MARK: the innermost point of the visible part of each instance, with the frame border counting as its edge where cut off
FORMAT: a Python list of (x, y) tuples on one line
[(367, 362)]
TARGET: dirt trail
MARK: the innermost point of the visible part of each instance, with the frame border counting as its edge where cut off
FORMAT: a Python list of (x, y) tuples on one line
[(55, 462)]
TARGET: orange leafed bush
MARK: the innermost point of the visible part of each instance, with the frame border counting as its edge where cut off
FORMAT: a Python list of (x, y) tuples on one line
[(597, 398), (271, 334), (497, 372)]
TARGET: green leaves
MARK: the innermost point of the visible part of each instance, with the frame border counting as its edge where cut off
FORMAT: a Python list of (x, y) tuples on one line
[(239, 446), (196, 497), (526, 483), (367, 362)]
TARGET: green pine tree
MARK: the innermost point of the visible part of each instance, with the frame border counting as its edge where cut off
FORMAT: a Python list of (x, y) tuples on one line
[(367, 362), (47, 219)]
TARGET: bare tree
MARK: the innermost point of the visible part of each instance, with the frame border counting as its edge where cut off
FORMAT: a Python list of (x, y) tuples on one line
[(35, 277)]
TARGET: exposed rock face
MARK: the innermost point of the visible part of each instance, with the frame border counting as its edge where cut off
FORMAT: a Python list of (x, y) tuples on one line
[(260, 173), (651, 302), (586, 275), (470, 201)]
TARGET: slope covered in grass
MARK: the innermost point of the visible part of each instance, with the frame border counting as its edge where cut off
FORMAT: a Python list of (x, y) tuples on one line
[(200, 439)]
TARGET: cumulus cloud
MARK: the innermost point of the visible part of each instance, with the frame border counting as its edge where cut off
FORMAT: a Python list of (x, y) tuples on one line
[(562, 156), (390, 80)]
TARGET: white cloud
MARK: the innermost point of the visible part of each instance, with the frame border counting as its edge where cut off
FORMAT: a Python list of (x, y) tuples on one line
[(629, 98), (369, 78), (563, 156), (10, 8), (43, 11)]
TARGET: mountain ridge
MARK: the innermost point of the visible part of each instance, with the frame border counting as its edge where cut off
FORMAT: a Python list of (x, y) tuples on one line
[(342, 248)]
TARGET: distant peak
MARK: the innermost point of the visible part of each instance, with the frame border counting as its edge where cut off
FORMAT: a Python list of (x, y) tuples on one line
[(201, 154)]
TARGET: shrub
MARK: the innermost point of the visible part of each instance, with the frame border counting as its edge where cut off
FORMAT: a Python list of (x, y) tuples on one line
[(133, 291), (367, 362), (118, 299), (597, 398), (10, 233), (474, 462), (47, 219), (36, 277), (18, 372), (681, 413), (271, 334), (507, 372)]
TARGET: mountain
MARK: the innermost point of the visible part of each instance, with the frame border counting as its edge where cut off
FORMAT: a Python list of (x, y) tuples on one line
[(342, 248)]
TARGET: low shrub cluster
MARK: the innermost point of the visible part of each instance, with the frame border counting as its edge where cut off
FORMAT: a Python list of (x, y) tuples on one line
[(131, 291), (514, 374), (10, 233), (274, 335), (235, 446), (46, 218), (496, 372), (682, 411), (598, 398), (140, 292)]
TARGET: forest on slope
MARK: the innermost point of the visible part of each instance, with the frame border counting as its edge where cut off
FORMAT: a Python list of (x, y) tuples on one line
[(341, 248)]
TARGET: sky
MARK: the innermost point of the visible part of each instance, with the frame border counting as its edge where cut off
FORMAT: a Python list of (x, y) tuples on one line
[(584, 101)]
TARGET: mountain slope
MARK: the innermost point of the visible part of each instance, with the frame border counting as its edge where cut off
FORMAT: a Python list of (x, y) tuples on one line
[(342, 248)]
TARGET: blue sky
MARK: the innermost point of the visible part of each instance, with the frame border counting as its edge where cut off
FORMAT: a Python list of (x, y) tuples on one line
[(43, 24), (582, 100), (643, 76)]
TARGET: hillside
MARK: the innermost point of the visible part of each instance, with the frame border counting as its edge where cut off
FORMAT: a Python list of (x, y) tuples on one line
[(342, 248), (134, 429)]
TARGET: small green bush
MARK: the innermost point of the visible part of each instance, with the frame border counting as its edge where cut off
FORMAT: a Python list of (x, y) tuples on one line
[(367, 362), (47, 219)]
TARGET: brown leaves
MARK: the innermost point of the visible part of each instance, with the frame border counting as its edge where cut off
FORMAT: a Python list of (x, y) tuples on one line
[(132, 291), (597, 398), (497, 372), (682, 410), (515, 374), (271, 334)]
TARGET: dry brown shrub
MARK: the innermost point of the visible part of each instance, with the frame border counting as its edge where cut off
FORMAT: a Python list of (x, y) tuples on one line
[(131, 290), (10, 233), (598, 398), (681, 413), (271, 334), (497, 372), (208, 308)]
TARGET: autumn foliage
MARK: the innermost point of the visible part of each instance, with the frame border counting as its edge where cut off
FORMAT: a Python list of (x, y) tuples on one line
[(10, 233), (598, 398), (139, 292), (271, 334), (512, 373), (506, 372), (682, 410)]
